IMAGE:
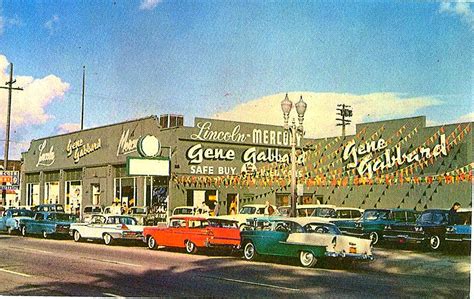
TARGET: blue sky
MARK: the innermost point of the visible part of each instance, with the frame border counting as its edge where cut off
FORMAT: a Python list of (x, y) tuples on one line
[(207, 58)]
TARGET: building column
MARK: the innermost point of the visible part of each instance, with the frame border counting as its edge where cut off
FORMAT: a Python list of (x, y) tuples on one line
[(41, 187), (110, 191), (140, 200), (62, 188)]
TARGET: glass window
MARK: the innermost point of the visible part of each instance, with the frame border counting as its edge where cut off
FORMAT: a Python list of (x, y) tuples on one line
[(51, 192), (197, 223), (439, 218), (375, 215), (426, 217), (32, 194), (321, 228), (177, 223), (98, 219), (39, 216), (343, 214), (222, 223), (248, 210), (73, 196)]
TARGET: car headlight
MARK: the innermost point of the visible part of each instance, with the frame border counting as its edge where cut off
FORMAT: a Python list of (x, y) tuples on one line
[(418, 229), (450, 229), (388, 227)]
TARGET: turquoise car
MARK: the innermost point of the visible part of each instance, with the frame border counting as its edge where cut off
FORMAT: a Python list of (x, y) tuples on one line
[(12, 218), (309, 243), (48, 224)]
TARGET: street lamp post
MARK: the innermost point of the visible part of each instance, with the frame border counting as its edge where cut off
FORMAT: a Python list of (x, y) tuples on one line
[(300, 106)]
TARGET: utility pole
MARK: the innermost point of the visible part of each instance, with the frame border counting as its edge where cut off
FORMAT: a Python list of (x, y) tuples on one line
[(7, 131), (345, 112), (83, 94)]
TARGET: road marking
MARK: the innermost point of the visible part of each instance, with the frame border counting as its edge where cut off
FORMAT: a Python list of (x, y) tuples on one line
[(251, 283), (113, 295), (111, 261), (16, 273), (31, 249)]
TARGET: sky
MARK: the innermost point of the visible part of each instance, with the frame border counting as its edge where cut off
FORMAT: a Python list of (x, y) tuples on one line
[(233, 60)]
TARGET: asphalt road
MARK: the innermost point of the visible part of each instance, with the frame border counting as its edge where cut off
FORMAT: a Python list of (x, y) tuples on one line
[(34, 266)]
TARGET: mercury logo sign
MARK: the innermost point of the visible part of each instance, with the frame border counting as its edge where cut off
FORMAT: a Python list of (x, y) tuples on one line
[(149, 146)]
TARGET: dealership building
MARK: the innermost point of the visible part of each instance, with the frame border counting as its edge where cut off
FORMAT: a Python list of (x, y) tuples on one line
[(159, 162)]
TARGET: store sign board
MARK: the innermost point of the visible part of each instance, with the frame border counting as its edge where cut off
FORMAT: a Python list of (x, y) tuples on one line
[(127, 144), (361, 157), (45, 157), (10, 176), (148, 166)]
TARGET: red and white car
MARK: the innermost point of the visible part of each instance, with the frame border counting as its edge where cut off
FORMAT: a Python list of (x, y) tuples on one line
[(191, 233)]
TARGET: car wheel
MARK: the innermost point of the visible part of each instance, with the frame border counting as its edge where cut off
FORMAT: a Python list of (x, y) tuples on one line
[(307, 259), (374, 237), (45, 235), (250, 253), (77, 236), (152, 243), (190, 247), (108, 240), (435, 242), (23, 231)]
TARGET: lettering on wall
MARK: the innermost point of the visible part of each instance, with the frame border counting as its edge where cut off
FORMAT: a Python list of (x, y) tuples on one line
[(126, 144), (361, 157), (45, 158), (78, 149), (207, 134)]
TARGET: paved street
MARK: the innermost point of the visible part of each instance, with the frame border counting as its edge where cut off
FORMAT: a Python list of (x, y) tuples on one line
[(33, 266)]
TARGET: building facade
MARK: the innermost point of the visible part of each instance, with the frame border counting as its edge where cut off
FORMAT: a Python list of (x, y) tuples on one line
[(396, 163)]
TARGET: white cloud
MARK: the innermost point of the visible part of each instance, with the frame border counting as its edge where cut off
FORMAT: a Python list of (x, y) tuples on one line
[(149, 4), (320, 118), (9, 22), (28, 106), (68, 127), (52, 24), (461, 9), (466, 118)]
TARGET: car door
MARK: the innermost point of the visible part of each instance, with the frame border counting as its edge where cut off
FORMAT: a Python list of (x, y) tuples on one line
[(3, 220)]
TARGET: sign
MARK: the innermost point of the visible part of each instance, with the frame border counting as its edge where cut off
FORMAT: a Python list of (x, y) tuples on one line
[(148, 166), (126, 144), (149, 146), (45, 158), (361, 157), (9, 187), (11, 176), (78, 149)]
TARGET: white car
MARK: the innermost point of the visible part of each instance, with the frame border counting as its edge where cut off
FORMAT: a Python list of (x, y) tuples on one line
[(89, 211), (249, 212), (328, 213), (189, 211), (108, 228)]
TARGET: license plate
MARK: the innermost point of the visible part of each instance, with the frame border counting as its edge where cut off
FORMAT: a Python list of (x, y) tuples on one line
[(352, 250)]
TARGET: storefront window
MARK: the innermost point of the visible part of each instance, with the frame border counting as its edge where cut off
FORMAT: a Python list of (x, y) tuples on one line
[(51, 192), (285, 199), (73, 196), (126, 192), (32, 194)]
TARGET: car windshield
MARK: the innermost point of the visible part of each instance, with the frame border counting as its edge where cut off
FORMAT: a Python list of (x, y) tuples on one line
[(64, 217), (305, 212), (376, 215), (347, 214), (24, 213), (183, 211), (247, 210), (324, 212), (92, 210), (122, 220), (322, 228), (138, 211)]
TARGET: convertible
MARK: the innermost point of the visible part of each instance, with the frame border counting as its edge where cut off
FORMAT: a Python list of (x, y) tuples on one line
[(313, 241), (107, 228), (192, 232)]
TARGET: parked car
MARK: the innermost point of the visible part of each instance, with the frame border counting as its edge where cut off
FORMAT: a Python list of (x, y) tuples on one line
[(47, 224), (249, 212), (429, 229), (11, 219), (192, 232), (89, 211), (328, 213), (462, 232), (189, 211), (138, 213), (373, 222), (108, 228), (48, 208), (309, 243)]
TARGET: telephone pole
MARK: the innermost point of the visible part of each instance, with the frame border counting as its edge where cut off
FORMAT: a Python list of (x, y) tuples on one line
[(7, 131), (345, 112), (83, 94)]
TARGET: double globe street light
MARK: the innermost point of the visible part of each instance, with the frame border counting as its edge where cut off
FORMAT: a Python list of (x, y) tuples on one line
[(300, 106)]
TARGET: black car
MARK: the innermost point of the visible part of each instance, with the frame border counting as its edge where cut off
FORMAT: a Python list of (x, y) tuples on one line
[(429, 229), (373, 222)]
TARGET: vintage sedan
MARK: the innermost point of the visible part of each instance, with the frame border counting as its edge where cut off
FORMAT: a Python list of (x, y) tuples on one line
[(429, 229), (10, 221), (248, 212), (47, 224), (309, 243), (373, 222), (461, 233), (192, 232), (108, 228)]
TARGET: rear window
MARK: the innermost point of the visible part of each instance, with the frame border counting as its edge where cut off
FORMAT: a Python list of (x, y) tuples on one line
[(183, 211)]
